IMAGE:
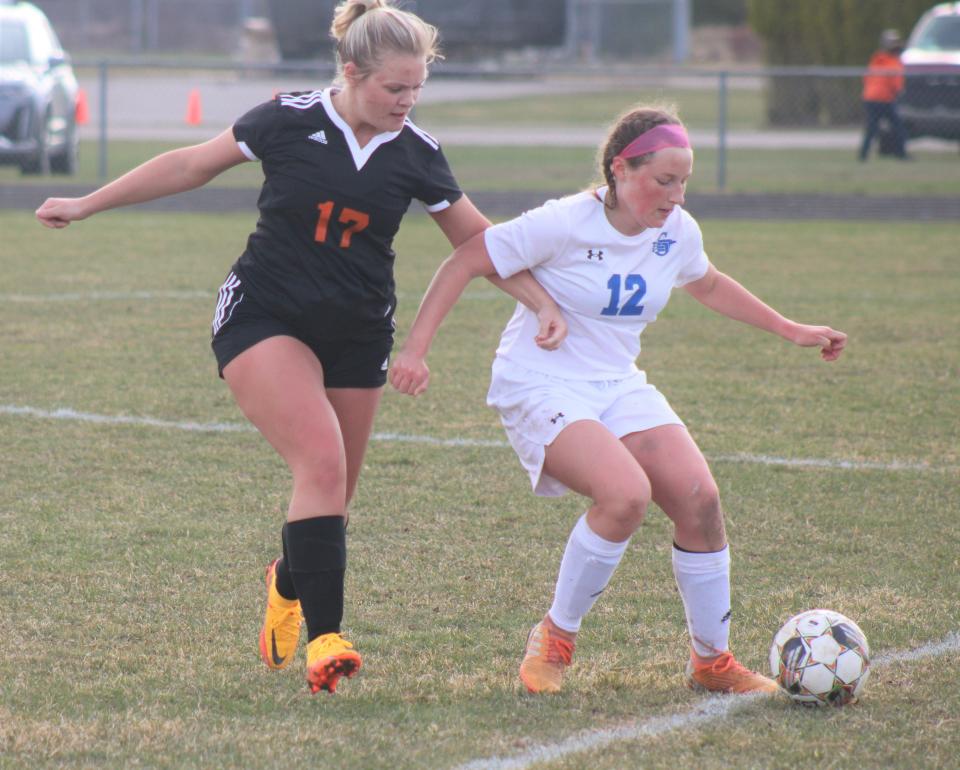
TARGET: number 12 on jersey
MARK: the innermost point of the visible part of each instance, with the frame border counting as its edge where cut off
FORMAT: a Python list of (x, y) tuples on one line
[(354, 220), (632, 305)]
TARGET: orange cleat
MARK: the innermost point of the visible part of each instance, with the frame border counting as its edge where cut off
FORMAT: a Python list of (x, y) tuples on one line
[(547, 656), (281, 625), (725, 674), (330, 657)]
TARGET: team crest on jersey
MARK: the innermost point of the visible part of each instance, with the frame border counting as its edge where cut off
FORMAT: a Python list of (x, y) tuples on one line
[(319, 136), (661, 246), (598, 255)]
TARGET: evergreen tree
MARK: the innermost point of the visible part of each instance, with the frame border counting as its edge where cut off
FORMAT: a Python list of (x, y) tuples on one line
[(799, 33)]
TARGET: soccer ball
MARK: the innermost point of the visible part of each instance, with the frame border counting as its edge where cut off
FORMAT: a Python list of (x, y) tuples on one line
[(820, 658)]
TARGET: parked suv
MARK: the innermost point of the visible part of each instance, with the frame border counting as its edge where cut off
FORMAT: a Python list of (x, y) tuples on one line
[(930, 105), (38, 94)]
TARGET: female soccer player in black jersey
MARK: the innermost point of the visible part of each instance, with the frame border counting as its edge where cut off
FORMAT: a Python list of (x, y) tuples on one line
[(303, 325)]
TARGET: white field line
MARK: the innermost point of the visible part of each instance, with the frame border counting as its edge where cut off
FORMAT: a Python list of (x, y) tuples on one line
[(402, 438), (119, 419), (140, 296), (813, 462), (711, 709), (123, 296)]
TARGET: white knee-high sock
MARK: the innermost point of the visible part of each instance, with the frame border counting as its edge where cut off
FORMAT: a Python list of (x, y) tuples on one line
[(704, 583), (587, 565)]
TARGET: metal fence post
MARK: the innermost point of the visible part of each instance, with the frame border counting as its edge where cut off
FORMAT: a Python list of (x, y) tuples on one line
[(136, 26), (572, 42), (681, 30), (722, 131), (596, 34), (153, 25), (102, 167)]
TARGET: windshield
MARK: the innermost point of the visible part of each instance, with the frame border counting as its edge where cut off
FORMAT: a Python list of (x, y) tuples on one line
[(13, 42), (941, 34)]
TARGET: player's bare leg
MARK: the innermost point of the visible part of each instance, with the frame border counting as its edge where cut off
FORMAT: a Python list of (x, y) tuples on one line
[(356, 409), (684, 488), (279, 385), (590, 460)]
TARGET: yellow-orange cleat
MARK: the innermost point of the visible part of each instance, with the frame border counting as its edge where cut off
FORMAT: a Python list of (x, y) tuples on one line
[(281, 625), (330, 657), (725, 674), (546, 658)]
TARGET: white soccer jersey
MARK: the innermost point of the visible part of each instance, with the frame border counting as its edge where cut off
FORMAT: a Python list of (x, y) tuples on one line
[(608, 285)]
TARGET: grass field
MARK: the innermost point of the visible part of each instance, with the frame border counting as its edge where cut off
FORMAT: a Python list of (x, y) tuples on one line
[(558, 169), (132, 551), (745, 109)]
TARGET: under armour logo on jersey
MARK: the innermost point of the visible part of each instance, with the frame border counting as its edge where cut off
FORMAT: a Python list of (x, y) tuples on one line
[(726, 616), (556, 417), (320, 136), (662, 245), (598, 254)]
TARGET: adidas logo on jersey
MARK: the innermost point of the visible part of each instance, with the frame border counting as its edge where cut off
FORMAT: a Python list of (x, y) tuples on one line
[(319, 136)]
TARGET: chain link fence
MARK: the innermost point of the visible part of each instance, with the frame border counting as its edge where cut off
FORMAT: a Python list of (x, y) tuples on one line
[(151, 26), (746, 144), (729, 112)]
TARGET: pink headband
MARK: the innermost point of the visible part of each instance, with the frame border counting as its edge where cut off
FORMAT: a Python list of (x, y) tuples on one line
[(657, 138)]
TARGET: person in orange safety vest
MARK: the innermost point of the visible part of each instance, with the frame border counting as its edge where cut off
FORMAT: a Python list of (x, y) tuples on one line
[(882, 84)]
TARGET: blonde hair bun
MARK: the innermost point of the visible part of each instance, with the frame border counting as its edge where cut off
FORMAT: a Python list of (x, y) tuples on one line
[(367, 29)]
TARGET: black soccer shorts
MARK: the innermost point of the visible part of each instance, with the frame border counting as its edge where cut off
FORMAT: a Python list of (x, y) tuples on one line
[(350, 359)]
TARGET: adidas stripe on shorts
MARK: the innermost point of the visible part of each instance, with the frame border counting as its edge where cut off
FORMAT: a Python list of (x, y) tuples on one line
[(350, 360)]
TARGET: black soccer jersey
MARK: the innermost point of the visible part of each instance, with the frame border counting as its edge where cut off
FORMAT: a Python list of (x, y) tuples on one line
[(329, 210)]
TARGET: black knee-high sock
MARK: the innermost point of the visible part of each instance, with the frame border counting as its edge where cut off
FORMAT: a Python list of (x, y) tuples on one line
[(285, 585), (316, 556)]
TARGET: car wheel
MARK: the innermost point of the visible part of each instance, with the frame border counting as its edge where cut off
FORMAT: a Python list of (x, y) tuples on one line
[(66, 160), (39, 162)]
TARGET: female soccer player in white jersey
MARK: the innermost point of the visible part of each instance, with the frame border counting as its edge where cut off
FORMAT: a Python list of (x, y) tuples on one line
[(304, 322), (583, 417)]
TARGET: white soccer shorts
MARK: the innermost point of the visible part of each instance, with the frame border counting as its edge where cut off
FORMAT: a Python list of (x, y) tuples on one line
[(535, 407)]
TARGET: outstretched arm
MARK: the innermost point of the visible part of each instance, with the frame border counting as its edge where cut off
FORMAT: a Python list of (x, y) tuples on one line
[(723, 294), (409, 372), (172, 172)]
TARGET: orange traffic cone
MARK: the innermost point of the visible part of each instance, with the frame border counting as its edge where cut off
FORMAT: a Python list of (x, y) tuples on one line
[(82, 110), (194, 111)]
